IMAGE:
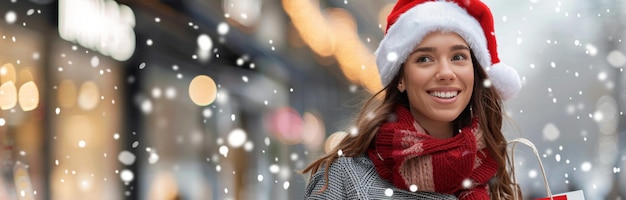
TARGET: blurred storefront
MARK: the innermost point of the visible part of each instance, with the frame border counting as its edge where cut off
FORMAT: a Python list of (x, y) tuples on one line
[(185, 105), (58, 140)]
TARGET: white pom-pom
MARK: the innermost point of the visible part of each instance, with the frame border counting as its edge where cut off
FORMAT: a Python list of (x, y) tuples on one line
[(505, 79)]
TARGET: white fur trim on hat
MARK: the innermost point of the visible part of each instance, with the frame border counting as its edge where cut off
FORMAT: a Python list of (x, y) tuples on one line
[(413, 25), (505, 79)]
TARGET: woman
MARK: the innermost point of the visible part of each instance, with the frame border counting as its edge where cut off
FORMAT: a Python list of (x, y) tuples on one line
[(436, 132)]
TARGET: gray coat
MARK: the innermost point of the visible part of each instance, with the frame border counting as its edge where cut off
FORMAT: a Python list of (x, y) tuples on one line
[(356, 178)]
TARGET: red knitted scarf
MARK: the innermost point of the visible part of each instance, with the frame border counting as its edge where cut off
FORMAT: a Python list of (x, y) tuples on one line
[(407, 156)]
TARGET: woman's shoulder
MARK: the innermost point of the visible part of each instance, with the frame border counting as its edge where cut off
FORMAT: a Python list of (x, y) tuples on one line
[(356, 178), (347, 179)]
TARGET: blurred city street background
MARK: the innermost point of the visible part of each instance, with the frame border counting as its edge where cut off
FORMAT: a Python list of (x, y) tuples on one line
[(229, 99)]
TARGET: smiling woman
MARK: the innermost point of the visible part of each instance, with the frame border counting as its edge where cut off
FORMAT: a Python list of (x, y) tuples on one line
[(436, 132)]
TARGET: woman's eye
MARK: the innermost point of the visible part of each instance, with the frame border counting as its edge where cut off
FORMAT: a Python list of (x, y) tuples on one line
[(424, 59), (458, 57)]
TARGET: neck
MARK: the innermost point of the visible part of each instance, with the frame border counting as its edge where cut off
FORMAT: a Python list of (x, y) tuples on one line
[(434, 128)]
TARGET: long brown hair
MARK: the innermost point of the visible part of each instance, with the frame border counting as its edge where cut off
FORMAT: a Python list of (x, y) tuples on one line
[(485, 103)]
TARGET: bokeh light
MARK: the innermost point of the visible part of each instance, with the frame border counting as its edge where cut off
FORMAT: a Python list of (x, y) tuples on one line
[(551, 132), (8, 95), (88, 96), (333, 140), (29, 96), (202, 90), (286, 125)]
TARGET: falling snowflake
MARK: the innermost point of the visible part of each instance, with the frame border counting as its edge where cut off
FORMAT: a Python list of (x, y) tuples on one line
[(392, 57), (388, 192)]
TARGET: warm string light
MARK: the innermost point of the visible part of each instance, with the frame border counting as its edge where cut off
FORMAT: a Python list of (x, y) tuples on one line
[(26, 93), (333, 33)]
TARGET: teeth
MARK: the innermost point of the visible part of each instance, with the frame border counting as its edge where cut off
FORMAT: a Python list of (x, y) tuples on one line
[(444, 95)]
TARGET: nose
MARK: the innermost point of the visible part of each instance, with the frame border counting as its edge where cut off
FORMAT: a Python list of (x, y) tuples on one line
[(445, 72)]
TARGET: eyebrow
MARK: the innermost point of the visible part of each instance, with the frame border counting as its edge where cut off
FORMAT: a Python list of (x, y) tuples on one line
[(459, 47), (432, 49)]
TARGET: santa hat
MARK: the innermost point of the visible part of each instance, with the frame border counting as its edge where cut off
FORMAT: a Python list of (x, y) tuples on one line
[(411, 20)]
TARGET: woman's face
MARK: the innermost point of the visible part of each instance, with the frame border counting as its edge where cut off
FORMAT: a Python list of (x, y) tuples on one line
[(438, 78)]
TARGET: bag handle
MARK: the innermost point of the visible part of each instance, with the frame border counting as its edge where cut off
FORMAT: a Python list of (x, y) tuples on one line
[(528, 143)]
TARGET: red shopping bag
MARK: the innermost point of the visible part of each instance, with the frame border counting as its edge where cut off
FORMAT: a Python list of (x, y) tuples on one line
[(574, 195)]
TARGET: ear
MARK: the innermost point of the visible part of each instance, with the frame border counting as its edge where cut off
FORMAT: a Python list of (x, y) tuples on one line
[(401, 86)]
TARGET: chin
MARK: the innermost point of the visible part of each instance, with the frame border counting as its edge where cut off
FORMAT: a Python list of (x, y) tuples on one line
[(444, 117)]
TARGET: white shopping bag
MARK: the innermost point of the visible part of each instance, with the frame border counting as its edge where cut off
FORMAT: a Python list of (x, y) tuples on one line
[(574, 195)]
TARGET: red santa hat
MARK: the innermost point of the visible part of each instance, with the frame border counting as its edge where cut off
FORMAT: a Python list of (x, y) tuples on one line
[(411, 20)]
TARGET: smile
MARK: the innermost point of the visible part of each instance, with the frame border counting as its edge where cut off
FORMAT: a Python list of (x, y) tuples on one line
[(444, 95)]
